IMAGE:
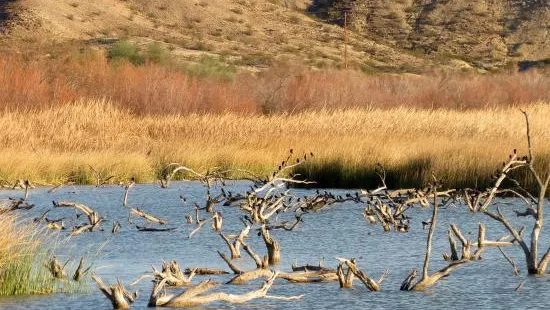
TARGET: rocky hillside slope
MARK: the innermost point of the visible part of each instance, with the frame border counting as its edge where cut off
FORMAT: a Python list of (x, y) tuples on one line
[(395, 36), (484, 33)]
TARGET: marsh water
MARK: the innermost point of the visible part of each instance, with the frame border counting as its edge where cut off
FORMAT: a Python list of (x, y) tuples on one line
[(338, 230)]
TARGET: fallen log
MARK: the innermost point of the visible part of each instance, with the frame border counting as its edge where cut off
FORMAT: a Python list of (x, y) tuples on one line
[(205, 271), (147, 217), (152, 229), (195, 296)]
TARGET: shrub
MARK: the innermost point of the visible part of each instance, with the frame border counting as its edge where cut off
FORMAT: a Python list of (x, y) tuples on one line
[(157, 54), (124, 50)]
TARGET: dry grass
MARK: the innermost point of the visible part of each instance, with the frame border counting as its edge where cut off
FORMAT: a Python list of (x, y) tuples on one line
[(462, 147)]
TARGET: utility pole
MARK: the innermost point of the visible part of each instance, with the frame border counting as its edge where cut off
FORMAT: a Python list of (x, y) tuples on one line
[(346, 39)]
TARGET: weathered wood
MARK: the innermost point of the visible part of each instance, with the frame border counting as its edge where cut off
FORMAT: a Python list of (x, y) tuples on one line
[(80, 271), (273, 247), (147, 217), (153, 229), (205, 271), (369, 283), (232, 266), (127, 188), (195, 296), (117, 294), (93, 217)]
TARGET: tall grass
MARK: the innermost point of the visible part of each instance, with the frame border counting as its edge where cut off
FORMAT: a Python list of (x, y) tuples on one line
[(21, 256), (463, 147), (24, 252), (211, 87)]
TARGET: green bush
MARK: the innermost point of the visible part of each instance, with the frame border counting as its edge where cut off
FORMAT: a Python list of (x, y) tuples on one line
[(209, 66), (124, 50), (157, 54)]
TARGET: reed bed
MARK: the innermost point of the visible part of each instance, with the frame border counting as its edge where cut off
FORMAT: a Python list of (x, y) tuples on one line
[(462, 147), (21, 256)]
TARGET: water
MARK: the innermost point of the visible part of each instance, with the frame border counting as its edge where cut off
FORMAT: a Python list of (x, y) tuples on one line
[(339, 230)]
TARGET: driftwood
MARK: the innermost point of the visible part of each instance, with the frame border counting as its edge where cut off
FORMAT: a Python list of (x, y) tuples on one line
[(307, 267), (41, 217), (117, 294), (77, 230), (208, 178), (147, 217), (233, 267), (116, 227), (80, 270), (196, 295), (217, 222), (152, 229), (127, 188), (261, 271), (293, 277), (100, 178), (273, 246), (286, 225), (205, 271), (55, 224), (235, 245), (346, 278), (170, 275), (94, 220), (10, 205), (56, 269)]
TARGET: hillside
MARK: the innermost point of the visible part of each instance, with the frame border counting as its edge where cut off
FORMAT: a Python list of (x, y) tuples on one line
[(482, 33), (395, 36), (245, 33)]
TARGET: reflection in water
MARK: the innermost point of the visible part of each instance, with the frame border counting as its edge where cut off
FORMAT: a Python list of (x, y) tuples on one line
[(338, 230)]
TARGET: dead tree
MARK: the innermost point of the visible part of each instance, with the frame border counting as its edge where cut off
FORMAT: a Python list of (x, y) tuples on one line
[(94, 220), (147, 217), (235, 245), (261, 271), (127, 188), (218, 222), (172, 275), (55, 224), (56, 269), (346, 278), (208, 178), (100, 178), (80, 270), (11, 204), (273, 246), (117, 294), (388, 207), (427, 279), (481, 201)]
